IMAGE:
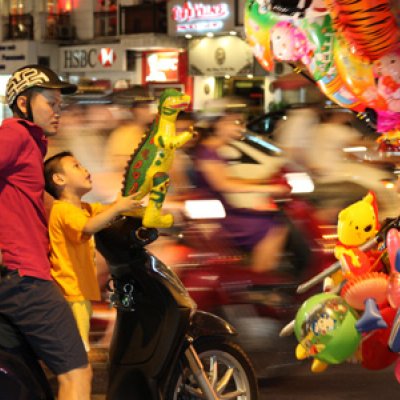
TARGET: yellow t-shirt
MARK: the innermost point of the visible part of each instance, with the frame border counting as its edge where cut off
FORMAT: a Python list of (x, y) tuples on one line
[(72, 254)]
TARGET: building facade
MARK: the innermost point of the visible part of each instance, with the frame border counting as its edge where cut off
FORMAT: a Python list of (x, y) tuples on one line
[(195, 46)]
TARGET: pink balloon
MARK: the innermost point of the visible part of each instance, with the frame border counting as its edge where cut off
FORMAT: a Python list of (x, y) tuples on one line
[(393, 290), (393, 245), (289, 43)]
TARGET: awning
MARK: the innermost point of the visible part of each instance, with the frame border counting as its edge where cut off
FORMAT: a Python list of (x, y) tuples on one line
[(291, 81)]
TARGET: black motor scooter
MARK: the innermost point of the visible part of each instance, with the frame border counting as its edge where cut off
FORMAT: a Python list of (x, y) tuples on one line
[(162, 347)]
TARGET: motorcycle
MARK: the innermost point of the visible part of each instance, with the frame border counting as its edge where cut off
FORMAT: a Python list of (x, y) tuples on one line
[(163, 347), (219, 278)]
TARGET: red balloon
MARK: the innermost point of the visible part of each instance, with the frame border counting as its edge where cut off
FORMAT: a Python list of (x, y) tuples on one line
[(374, 348)]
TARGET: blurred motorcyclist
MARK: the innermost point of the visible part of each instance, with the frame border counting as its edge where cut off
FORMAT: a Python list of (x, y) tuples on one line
[(260, 230), (318, 147), (123, 140)]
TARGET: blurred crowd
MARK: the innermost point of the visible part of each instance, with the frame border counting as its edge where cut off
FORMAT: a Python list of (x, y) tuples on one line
[(103, 137)]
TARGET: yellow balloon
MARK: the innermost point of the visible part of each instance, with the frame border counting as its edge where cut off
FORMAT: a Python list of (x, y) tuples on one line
[(335, 89), (258, 37), (357, 74)]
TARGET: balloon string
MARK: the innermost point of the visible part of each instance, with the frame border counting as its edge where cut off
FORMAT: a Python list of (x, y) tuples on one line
[(374, 265)]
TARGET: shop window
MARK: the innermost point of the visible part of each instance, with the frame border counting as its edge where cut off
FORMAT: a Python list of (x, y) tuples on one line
[(59, 26), (143, 18), (105, 18), (60, 6), (106, 5), (250, 89), (17, 7), (19, 26), (131, 57)]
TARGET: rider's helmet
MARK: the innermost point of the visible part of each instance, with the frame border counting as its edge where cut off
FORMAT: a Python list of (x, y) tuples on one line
[(216, 109), (33, 76)]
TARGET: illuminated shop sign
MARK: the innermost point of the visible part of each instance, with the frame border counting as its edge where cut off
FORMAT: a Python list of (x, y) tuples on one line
[(199, 17), (162, 66), (107, 57), (80, 58), (220, 56), (88, 58), (93, 58)]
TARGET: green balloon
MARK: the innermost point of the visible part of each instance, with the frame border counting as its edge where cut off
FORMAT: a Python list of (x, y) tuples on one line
[(260, 15), (325, 326), (321, 34)]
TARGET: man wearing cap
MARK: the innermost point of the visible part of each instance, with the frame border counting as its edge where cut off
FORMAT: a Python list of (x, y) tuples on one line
[(29, 299)]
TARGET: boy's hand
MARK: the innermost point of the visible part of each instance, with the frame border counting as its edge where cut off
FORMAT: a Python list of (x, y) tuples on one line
[(127, 203)]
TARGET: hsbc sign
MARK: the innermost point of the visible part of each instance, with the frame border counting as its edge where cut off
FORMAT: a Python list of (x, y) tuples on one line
[(80, 59), (95, 58), (107, 57)]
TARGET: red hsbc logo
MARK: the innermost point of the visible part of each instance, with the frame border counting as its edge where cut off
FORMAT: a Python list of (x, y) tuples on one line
[(107, 56)]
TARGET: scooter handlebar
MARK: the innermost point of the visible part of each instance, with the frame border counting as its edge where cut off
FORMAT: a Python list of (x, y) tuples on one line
[(304, 287)]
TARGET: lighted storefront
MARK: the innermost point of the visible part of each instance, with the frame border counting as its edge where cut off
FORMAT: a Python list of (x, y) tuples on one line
[(219, 60), (166, 69), (110, 63), (199, 18)]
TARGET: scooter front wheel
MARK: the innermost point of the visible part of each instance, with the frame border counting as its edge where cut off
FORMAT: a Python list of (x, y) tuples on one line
[(227, 367)]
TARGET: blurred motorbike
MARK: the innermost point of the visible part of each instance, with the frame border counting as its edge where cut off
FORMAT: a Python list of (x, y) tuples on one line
[(219, 278)]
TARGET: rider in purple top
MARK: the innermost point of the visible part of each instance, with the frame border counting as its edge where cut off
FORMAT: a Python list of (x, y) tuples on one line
[(246, 227), (262, 231)]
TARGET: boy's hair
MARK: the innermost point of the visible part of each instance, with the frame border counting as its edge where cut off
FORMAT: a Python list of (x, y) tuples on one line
[(53, 166)]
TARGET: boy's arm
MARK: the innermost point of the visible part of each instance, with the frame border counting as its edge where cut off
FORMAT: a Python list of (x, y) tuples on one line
[(102, 219)]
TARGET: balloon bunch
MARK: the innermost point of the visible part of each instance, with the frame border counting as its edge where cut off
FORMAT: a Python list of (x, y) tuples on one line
[(357, 316), (351, 48)]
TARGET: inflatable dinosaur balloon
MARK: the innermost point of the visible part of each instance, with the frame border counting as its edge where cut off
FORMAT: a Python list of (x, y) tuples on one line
[(147, 169)]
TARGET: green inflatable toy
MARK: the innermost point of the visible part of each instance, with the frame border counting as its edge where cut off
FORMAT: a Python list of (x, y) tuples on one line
[(325, 329)]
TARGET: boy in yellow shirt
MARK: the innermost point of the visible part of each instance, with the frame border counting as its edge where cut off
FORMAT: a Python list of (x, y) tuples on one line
[(72, 224)]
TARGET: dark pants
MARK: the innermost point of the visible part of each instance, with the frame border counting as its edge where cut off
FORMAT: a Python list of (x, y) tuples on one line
[(38, 310)]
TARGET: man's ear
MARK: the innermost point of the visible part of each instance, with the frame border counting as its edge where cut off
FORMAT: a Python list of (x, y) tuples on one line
[(22, 103)]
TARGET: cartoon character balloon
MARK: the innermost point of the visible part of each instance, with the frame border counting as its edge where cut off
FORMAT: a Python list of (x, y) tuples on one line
[(368, 25), (357, 74), (289, 43), (324, 328), (388, 71), (350, 48)]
